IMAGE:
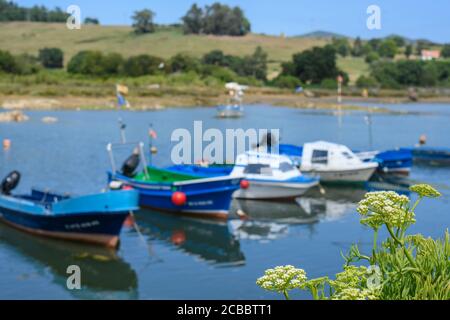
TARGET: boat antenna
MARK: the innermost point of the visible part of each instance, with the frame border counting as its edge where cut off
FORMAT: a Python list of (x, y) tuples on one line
[(369, 125), (122, 127)]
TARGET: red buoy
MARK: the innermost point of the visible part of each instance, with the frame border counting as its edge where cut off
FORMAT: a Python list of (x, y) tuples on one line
[(179, 198), (127, 188), (178, 237), (245, 184)]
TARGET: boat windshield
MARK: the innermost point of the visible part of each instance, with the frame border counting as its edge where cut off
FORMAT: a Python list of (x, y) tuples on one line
[(257, 168), (347, 155), (286, 167)]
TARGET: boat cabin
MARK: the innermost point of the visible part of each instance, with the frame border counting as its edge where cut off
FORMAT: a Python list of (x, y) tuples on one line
[(322, 154), (265, 166)]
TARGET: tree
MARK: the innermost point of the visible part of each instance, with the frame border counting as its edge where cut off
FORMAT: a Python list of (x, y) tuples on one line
[(9, 11), (193, 20), (89, 20), (421, 45), (445, 53), (143, 21), (375, 44), (52, 58), (408, 51), (399, 40), (357, 50), (387, 49), (216, 19), (342, 46), (255, 65), (313, 65)]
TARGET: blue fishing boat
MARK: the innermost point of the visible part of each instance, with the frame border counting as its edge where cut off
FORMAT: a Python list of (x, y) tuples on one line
[(94, 218), (177, 192), (396, 161), (432, 155)]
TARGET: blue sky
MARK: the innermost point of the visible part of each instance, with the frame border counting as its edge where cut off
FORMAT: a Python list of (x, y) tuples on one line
[(411, 18)]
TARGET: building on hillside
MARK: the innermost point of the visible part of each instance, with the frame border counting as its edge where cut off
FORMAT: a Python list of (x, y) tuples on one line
[(430, 54)]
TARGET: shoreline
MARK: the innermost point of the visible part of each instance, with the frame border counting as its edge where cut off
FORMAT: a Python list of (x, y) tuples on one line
[(349, 103)]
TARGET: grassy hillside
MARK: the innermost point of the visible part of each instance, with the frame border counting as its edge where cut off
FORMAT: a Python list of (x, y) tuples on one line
[(19, 37), (29, 37)]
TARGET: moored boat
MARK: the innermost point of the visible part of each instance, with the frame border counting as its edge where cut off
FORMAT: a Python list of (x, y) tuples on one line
[(95, 219), (335, 163), (431, 155), (177, 192), (234, 108), (267, 176), (394, 161)]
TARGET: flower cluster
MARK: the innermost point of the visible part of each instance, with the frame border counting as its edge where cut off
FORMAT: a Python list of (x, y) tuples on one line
[(425, 190), (282, 279), (385, 207), (355, 294), (351, 284)]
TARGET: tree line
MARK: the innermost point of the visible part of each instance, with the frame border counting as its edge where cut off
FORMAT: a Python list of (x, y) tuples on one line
[(95, 63), (314, 67), (10, 11)]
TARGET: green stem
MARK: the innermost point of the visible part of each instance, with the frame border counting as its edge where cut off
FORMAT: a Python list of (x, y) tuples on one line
[(399, 242), (416, 203), (374, 248), (286, 295)]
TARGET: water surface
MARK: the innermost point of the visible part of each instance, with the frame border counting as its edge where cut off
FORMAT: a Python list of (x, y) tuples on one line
[(190, 259)]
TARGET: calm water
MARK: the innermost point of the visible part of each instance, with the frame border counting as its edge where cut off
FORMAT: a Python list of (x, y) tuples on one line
[(190, 259)]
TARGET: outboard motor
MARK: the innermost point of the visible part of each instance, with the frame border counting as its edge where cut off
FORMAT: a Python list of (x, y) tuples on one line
[(130, 165), (10, 183)]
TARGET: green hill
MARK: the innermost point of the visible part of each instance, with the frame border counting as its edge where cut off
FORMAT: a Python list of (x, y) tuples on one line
[(29, 37), (19, 37)]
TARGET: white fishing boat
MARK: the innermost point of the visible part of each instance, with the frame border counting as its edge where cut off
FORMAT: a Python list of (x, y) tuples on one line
[(234, 108), (335, 163), (270, 176)]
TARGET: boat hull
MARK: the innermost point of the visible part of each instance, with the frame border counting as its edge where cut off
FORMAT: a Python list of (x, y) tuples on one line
[(262, 190), (95, 219), (347, 176), (96, 228), (205, 198)]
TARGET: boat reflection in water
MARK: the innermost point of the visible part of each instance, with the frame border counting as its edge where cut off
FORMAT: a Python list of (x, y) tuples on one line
[(209, 240), (99, 266), (266, 220)]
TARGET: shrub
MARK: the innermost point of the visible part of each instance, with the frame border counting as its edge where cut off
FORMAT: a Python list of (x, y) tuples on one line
[(7, 62), (287, 82), (112, 63), (26, 64), (184, 63), (142, 65), (372, 56), (366, 82), (52, 58), (87, 63), (220, 73)]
